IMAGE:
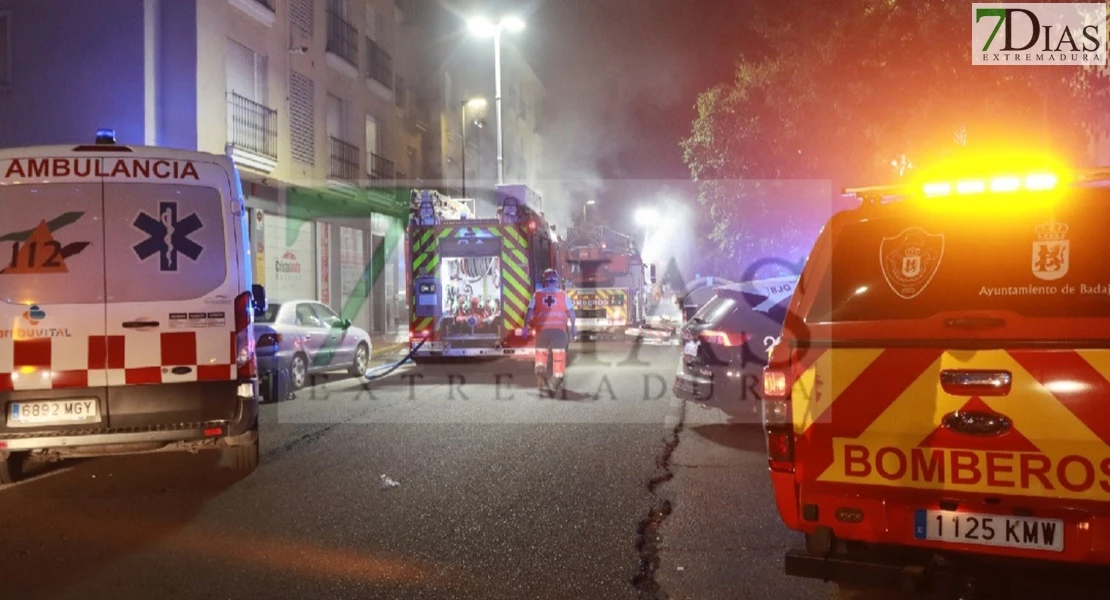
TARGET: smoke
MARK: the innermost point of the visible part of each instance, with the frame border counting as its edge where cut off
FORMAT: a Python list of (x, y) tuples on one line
[(618, 101)]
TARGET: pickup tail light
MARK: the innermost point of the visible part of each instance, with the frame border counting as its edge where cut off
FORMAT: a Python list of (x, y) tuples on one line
[(778, 420), (721, 338), (246, 365)]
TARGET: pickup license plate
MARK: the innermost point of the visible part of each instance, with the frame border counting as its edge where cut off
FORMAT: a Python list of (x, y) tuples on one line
[(53, 412), (690, 348), (989, 530)]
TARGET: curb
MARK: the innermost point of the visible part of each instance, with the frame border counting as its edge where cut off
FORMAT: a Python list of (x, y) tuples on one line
[(386, 349)]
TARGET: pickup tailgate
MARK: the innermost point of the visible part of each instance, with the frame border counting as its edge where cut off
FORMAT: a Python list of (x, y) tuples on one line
[(955, 388)]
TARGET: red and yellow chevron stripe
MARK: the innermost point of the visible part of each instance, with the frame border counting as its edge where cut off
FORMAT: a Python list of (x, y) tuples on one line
[(873, 417)]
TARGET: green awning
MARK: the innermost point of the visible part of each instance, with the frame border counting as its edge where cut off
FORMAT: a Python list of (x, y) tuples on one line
[(312, 204)]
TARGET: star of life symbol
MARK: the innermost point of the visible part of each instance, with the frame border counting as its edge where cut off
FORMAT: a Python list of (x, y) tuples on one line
[(1051, 251), (910, 259), (549, 300), (168, 236)]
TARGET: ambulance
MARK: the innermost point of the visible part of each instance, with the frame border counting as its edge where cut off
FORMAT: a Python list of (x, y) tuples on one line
[(937, 410), (126, 305)]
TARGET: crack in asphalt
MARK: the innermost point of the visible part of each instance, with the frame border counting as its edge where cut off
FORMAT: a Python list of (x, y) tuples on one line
[(647, 532)]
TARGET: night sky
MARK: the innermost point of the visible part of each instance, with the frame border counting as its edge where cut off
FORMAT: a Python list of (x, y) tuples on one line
[(622, 78)]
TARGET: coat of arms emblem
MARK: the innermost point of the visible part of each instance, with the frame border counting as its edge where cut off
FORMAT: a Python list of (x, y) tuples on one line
[(910, 259), (1050, 251)]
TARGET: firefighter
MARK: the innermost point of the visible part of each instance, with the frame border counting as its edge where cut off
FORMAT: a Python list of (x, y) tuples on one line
[(550, 309)]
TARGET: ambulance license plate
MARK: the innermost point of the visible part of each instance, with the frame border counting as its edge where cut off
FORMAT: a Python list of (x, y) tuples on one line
[(53, 412), (1003, 531)]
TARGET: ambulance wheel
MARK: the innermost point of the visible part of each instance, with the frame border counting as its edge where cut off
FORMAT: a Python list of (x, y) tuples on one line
[(241, 460), (298, 371), (362, 360), (11, 468)]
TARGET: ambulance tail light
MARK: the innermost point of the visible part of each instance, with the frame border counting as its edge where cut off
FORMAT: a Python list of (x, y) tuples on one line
[(270, 339), (246, 365), (416, 336), (778, 419)]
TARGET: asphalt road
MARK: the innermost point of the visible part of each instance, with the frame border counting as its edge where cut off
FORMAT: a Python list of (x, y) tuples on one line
[(445, 482)]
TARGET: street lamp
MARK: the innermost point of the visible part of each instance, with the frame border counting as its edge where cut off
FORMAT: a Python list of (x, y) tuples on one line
[(483, 27), (475, 103)]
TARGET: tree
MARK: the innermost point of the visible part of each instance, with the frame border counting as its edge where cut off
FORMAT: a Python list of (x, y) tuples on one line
[(857, 95)]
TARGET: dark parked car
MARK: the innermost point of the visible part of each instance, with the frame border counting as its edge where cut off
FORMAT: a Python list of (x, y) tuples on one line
[(725, 344)]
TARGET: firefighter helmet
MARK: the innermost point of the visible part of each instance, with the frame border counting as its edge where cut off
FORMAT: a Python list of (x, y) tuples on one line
[(550, 276)]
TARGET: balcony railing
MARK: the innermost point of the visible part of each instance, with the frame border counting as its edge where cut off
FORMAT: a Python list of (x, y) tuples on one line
[(381, 168), (342, 38), (344, 161), (251, 126), (379, 64)]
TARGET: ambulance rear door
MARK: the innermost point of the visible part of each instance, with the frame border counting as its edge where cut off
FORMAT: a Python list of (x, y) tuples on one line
[(172, 277), (53, 352)]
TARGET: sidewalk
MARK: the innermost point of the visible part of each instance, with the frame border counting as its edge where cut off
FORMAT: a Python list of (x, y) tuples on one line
[(389, 344)]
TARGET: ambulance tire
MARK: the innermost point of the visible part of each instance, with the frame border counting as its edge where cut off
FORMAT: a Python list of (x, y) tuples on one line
[(241, 460), (11, 468)]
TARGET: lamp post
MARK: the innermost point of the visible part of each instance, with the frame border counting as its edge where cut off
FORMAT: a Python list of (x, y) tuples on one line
[(483, 27), (471, 103)]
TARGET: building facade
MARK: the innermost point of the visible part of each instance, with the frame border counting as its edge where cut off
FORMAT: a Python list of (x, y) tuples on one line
[(452, 67), (307, 96)]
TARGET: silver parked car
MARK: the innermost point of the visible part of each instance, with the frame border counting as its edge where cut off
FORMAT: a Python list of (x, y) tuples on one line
[(307, 337)]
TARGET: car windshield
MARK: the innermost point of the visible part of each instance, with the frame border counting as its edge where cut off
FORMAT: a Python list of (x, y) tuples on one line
[(1046, 262)]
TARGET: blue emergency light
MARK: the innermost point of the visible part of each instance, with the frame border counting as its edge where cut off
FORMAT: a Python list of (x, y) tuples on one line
[(105, 137)]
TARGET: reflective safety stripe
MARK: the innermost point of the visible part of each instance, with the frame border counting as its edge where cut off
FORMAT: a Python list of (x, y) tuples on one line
[(550, 310), (875, 416)]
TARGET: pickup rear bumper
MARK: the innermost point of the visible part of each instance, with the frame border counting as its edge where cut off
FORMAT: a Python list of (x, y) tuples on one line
[(950, 576)]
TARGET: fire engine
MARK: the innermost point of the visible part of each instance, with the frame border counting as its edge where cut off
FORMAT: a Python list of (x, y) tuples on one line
[(470, 279), (609, 282)]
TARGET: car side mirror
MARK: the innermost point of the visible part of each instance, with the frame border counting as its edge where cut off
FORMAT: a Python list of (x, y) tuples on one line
[(258, 294), (345, 324)]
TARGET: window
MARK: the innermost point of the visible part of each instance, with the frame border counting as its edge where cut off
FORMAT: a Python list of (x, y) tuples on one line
[(339, 7), (247, 73), (373, 24), (306, 317), (5, 48), (327, 316), (373, 137), (926, 263), (336, 108), (302, 118), (301, 15)]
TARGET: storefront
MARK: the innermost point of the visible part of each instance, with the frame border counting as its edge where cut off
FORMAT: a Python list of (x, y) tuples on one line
[(291, 259)]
